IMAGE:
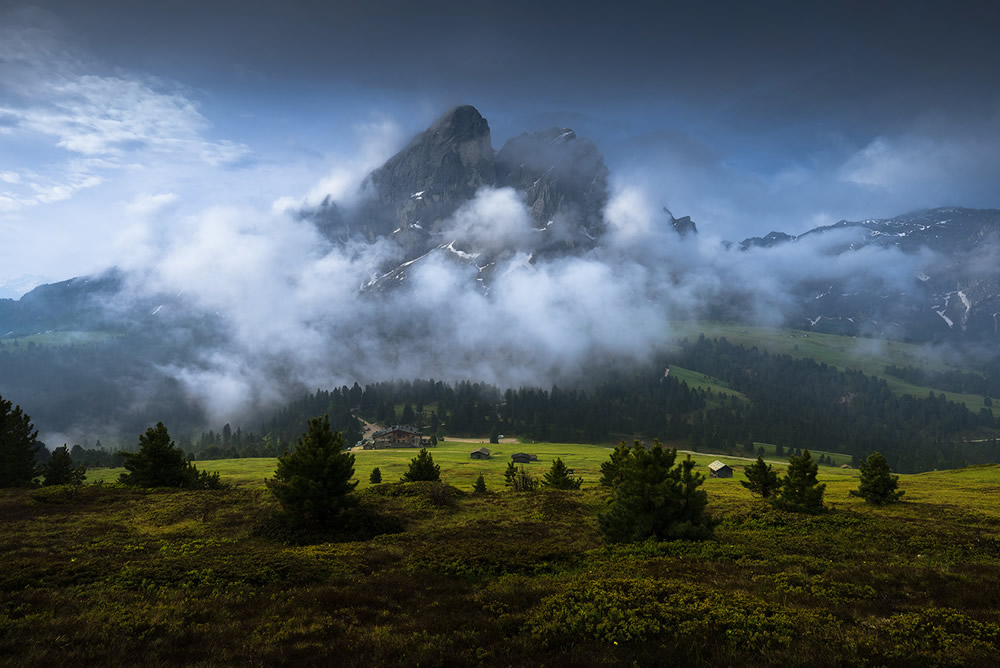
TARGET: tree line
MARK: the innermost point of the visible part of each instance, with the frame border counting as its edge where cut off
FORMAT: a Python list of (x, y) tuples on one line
[(802, 403), (986, 382), (796, 404)]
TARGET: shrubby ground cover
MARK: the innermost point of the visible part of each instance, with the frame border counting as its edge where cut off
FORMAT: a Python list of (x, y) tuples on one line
[(112, 575)]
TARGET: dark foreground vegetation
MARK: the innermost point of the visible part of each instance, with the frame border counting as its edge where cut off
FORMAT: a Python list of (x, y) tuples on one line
[(107, 575)]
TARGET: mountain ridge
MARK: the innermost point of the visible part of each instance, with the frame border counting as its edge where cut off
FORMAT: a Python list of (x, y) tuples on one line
[(559, 181)]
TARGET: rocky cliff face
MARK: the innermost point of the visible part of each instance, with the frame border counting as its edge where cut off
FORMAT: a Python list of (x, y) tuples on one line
[(560, 178), (440, 169), (563, 180)]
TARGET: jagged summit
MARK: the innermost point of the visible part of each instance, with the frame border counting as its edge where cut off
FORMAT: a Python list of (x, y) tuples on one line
[(461, 124), (424, 183), (411, 199)]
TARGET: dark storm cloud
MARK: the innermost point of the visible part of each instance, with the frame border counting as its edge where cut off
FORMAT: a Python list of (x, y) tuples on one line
[(747, 116), (755, 61)]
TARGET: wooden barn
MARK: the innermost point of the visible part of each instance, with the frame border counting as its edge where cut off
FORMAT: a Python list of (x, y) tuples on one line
[(397, 436), (523, 458), (481, 453), (719, 470)]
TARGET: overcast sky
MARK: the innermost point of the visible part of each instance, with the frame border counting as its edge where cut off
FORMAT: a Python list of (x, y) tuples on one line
[(747, 116)]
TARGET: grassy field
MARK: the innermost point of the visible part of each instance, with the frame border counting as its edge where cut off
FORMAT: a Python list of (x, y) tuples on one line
[(457, 467), (700, 381), (109, 576), (868, 355)]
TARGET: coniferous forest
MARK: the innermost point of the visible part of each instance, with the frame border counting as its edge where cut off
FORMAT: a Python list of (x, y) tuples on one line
[(777, 399)]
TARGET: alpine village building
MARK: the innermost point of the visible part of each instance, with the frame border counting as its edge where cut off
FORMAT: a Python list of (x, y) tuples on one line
[(397, 436)]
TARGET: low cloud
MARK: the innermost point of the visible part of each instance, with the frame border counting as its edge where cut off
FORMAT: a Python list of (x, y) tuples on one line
[(932, 163), (293, 317), (378, 138), (495, 220)]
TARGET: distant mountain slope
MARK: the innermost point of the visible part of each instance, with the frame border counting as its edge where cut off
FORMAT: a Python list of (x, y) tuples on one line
[(77, 303), (955, 296)]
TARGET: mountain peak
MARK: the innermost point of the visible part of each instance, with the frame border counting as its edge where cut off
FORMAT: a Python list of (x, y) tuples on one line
[(463, 123), (560, 177)]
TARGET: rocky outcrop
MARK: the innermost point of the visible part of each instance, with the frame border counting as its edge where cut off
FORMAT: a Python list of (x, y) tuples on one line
[(772, 239), (563, 179), (439, 170)]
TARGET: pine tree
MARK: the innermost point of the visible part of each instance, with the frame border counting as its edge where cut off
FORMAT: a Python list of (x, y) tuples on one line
[(17, 447), (375, 477), (480, 486), (558, 477), (509, 474), (422, 467), (655, 499), (520, 480), (611, 470), (160, 463), (313, 483), (799, 489), (761, 478), (878, 485), (61, 471)]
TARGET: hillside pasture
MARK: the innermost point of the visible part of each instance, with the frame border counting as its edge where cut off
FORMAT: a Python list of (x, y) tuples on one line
[(459, 469), (699, 381)]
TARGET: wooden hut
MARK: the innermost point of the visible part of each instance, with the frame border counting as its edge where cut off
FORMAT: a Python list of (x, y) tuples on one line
[(719, 470)]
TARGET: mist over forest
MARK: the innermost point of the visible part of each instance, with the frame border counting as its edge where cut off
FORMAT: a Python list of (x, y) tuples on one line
[(212, 259), (224, 315)]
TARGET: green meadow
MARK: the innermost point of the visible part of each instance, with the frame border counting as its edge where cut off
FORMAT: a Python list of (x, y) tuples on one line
[(457, 466), (700, 381)]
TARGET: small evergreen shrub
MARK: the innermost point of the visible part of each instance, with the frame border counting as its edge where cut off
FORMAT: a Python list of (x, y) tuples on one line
[(422, 467), (878, 485), (799, 490)]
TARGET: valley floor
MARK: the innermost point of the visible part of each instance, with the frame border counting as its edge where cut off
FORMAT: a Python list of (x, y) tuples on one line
[(108, 576)]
